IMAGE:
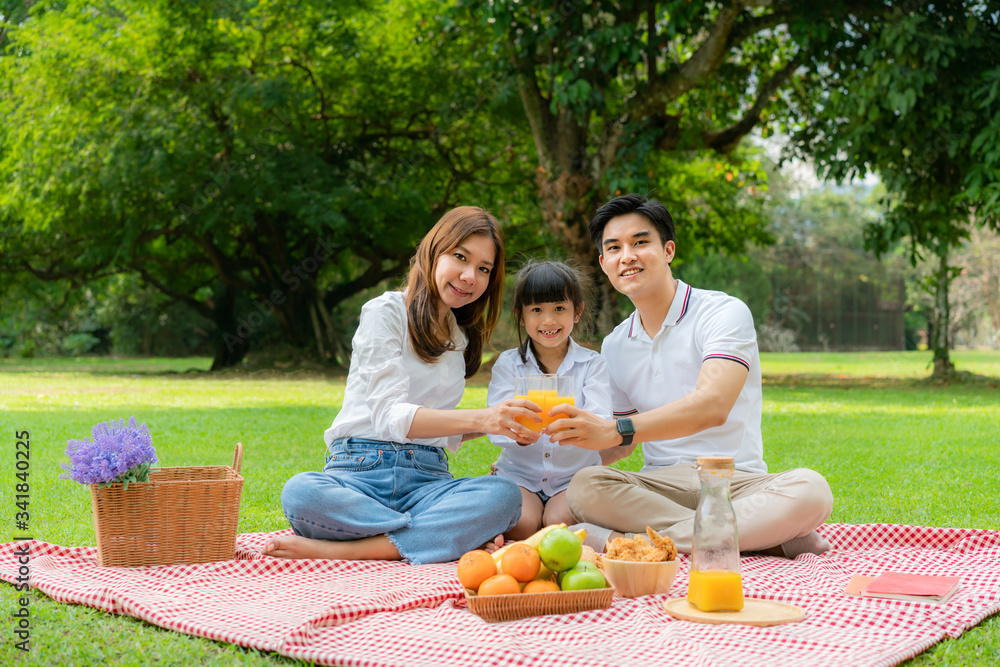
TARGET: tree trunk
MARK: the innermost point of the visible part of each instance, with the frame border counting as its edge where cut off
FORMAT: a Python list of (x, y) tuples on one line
[(230, 346), (941, 335), (568, 203)]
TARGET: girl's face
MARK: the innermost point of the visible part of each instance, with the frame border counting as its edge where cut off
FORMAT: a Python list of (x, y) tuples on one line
[(550, 324), (463, 274)]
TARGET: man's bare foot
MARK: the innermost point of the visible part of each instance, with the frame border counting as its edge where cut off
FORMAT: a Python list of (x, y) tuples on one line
[(810, 543), (297, 547)]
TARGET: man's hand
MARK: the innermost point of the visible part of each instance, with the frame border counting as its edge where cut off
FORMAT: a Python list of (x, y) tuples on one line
[(583, 429)]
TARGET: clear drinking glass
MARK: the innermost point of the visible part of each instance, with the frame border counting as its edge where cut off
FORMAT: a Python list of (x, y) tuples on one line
[(546, 391), (565, 392)]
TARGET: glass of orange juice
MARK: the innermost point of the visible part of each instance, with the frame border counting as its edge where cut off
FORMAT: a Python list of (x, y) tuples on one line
[(532, 388), (546, 391), (563, 391)]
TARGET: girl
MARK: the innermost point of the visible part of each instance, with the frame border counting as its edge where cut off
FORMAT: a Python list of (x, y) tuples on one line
[(548, 302), (385, 491)]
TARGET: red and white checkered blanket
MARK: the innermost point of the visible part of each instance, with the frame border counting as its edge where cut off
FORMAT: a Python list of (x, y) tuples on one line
[(382, 613)]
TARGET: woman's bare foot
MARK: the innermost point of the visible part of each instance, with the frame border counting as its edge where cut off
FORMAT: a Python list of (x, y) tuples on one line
[(297, 547), (493, 545)]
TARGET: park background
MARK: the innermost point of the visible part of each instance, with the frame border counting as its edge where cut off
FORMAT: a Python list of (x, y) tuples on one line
[(235, 179), (197, 198)]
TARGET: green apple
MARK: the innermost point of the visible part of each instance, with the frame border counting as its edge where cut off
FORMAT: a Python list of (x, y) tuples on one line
[(560, 549), (581, 565), (581, 579)]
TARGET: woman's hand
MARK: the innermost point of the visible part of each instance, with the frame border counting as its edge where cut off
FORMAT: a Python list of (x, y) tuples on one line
[(500, 419)]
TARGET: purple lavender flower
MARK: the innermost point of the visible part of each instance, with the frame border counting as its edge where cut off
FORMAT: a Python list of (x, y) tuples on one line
[(119, 452)]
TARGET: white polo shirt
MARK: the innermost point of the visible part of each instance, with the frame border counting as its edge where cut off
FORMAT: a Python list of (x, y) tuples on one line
[(387, 382), (647, 373), (543, 465)]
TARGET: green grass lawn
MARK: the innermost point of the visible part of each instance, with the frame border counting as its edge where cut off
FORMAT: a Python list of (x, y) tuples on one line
[(894, 447)]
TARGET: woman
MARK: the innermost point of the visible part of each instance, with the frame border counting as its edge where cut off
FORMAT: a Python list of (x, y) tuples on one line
[(385, 491)]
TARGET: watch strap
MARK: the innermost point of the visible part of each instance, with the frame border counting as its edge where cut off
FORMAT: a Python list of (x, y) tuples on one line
[(626, 430)]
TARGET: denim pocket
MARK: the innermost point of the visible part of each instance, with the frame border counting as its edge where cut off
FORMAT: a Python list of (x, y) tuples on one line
[(430, 461), (357, 461)]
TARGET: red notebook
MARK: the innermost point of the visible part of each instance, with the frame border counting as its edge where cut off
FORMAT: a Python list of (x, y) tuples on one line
[(917, 587)]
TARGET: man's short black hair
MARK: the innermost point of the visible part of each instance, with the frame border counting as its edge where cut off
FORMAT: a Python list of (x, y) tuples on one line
[(650, 209)]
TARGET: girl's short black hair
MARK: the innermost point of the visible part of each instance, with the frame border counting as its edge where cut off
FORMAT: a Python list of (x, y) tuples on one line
[(545, 282)]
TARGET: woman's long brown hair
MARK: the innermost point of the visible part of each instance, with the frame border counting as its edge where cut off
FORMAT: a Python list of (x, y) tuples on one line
[(479, 318)]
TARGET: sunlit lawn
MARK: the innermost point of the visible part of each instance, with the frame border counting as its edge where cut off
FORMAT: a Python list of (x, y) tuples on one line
[(894, 447)]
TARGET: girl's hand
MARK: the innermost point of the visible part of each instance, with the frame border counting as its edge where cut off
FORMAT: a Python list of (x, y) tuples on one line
[(500, 419)]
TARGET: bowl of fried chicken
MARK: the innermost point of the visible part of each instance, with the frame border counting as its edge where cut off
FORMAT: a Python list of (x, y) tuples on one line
[(640, 566)]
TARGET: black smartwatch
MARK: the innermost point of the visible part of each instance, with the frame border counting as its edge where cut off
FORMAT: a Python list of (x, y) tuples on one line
[(626, 430)]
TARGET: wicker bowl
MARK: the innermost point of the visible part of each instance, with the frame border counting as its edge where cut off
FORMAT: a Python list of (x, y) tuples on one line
[(632, 579), (494, 608)]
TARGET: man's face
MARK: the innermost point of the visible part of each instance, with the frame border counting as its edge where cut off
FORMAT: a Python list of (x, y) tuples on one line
[(634, 259)]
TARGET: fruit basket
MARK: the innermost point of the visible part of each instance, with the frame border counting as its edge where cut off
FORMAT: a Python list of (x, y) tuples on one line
[(494, 608)]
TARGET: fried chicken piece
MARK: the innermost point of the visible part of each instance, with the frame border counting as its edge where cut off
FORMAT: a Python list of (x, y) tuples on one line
[(652, 550), (664, 544)]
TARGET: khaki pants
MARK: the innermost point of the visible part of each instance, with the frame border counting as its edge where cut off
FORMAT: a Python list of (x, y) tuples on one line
[(770, 508)]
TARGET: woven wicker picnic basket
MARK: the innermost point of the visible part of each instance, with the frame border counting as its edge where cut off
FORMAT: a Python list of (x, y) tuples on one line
[(511, 607), (186, 514)]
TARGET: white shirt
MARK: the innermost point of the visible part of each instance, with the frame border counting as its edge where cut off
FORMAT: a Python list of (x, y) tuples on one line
[(387, 382), (647, 373), (543, 465)]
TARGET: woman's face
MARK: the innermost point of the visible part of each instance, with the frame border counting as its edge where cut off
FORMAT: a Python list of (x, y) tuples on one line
[(462, 274)]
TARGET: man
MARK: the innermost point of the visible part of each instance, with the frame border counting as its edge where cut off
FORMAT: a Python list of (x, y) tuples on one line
[(685, 375)]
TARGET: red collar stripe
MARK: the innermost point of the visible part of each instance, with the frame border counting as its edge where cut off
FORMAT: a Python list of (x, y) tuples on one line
[(729, 357)]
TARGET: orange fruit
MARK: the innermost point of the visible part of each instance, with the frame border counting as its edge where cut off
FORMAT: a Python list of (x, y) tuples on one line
[(475, 567), (500, 584), (541, 586), (521, 561)]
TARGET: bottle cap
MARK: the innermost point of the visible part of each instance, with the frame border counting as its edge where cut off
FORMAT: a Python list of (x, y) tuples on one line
[(715, 462)]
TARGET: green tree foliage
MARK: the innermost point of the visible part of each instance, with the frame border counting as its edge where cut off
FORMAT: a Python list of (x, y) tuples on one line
[(920, 108), (259, 161), (828, 288), (619, 95), (815, 287)]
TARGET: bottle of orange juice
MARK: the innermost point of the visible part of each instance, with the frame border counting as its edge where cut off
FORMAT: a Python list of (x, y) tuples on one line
[(715, 583)]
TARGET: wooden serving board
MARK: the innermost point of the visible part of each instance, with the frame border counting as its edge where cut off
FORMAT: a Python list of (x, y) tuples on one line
[(755, 612)]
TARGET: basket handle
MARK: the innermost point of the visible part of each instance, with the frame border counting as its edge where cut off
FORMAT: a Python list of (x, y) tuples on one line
[(238, 457)]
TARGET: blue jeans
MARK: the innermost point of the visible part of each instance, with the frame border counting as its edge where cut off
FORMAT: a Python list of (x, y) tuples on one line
[(373, 487)]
